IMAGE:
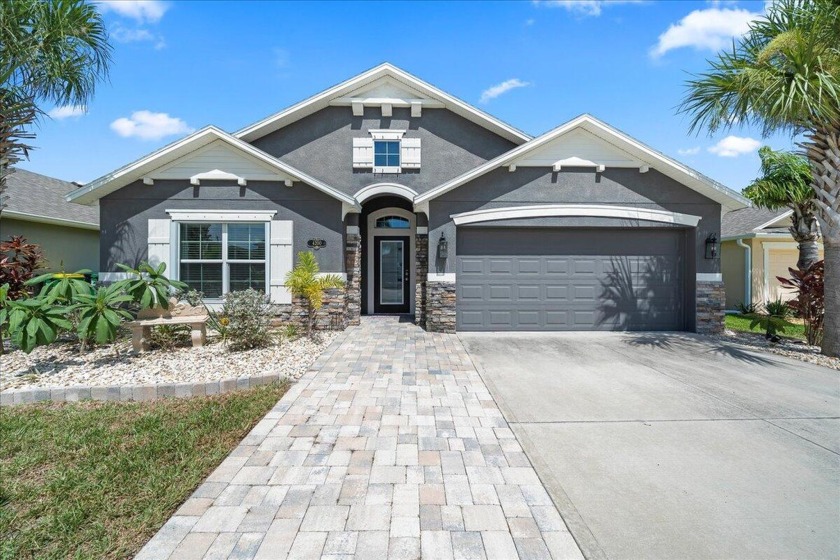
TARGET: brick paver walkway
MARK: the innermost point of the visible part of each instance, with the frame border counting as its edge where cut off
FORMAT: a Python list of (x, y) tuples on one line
[(389, 447)]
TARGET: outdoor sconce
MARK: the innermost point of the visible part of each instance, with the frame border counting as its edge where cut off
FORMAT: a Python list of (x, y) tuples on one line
[(711, 247), (443, 247)]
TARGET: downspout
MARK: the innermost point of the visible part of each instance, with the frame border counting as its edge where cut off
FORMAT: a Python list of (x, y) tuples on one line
[(747, 270)]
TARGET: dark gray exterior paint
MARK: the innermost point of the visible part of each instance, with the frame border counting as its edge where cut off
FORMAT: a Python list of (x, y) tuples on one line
[(538, 279), (125, 214), (322, 145), (535, 185)]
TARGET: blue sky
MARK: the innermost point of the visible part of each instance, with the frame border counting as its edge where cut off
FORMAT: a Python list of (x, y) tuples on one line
[(181, 65)]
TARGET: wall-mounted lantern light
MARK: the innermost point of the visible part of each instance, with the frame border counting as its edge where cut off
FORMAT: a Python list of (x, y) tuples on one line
[(711, 247), (443, 247)]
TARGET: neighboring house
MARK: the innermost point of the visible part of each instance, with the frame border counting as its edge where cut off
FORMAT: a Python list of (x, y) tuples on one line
[(36, 209), (428, 206), (756, 248)]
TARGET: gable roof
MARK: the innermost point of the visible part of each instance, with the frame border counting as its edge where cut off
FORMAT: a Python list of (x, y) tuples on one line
[(382, 85), (750, 221), (37, 198), (159, 160), (635, 154)]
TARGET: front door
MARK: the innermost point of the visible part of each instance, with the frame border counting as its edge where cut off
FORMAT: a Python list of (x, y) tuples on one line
[(391, 274)]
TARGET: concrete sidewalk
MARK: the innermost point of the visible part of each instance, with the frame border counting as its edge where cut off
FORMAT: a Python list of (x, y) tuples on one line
[(390, 447)]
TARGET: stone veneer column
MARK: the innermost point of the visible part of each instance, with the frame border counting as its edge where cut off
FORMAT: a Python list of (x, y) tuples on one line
[(353, 266), (421, 268), (711, 302), (440, 306)]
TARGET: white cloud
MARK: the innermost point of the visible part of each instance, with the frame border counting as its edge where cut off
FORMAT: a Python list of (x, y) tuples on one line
[(584, 7), (734, 146), (689, 151), (139, 10), (711, 29), (66, 112), (122, 34), (495, 91), (147, 125)]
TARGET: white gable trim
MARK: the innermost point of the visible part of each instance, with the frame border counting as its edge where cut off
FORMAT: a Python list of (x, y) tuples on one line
[(565, 210), (647, 156), (384, 188), (778, 218), (139, 169), (337, 94)]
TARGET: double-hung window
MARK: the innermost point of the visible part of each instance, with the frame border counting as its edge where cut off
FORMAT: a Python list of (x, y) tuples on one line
[(217, 258), (386, 154)]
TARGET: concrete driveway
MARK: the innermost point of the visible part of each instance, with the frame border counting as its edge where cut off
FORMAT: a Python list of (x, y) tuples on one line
[(672, 445)]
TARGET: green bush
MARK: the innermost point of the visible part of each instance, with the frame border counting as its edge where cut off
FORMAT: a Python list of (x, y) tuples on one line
[(248, 314), (148, 286)]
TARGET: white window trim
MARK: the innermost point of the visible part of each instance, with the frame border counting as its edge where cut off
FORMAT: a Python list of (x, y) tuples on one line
[(221, 215), (398, 140), (563, 210), (373, 232), (224, 261)]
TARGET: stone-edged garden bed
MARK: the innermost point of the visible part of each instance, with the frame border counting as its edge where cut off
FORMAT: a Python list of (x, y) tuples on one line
[(791, 348), (58, 372)]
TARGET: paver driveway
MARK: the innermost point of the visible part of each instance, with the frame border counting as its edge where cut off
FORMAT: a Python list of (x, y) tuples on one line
[(674, 445), (390, 447)]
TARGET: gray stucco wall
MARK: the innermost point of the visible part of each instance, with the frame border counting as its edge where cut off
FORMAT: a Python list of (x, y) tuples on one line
[(322, 145), (77, 248), (534, 185), (124, 215)]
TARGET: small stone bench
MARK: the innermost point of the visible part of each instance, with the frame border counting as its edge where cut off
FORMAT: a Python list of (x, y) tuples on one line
[(177, 314)]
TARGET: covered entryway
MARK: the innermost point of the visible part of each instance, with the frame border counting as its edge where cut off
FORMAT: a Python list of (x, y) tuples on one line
[(575, 279)]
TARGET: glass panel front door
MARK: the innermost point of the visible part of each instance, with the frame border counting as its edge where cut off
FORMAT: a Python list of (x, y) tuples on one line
[(391, 288)]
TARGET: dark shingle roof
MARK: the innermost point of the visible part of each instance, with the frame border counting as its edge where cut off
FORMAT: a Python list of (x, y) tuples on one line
[(34, 194), (745, 220)]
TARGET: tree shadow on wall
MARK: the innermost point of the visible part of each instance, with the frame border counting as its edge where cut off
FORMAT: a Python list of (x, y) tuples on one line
[(642, 299), (126, 248)]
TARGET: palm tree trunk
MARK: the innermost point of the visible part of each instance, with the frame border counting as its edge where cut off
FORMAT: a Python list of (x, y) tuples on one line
[(809, 253), (823, 151)]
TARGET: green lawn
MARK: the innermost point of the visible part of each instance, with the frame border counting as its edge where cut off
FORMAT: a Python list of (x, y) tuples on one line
[(743, 322), (96, 480)]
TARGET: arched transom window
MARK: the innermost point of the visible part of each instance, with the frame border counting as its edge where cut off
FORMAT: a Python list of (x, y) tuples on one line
[(392, 222)]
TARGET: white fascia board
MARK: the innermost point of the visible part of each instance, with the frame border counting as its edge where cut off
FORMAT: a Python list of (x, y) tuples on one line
[(575, 210), (778, 218), (759, 235), (323, 99), (677, 171), (25, 217), (138, 169)]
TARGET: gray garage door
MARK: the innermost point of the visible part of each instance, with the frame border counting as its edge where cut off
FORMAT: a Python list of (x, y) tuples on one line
[(570, 279)]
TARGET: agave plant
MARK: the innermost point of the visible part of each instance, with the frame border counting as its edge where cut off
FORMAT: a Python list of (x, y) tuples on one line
[(148, 286)]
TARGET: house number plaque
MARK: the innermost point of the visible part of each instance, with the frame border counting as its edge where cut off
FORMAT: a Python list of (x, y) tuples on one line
[(316, 243)]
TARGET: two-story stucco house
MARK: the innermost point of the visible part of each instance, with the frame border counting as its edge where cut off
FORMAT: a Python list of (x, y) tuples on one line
[(429, 207)]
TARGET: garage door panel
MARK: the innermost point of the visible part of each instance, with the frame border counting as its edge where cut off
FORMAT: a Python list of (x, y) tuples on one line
[(556, 280)]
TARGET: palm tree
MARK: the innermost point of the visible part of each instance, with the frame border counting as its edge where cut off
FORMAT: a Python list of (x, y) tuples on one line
[(784, 75), (785, 182), (51, 51)]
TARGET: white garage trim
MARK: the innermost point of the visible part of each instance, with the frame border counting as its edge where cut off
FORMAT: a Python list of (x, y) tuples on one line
[(384, 188), (563, 210), (440, 277), (709, 277)]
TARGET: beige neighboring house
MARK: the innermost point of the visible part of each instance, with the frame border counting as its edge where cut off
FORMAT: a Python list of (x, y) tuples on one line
[(756, 247), (37, 210)]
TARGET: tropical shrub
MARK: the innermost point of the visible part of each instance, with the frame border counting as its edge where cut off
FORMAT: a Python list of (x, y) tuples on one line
[(303, 281), (809, 303), (773, 321), (18, 262), (62, 286), (36, 322), (148, 286), (100, 314), (248, 315)]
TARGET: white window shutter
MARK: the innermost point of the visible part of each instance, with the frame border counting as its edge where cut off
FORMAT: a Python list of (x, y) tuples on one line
[(410, 156), (362, 152), (159, 244), (281, 260)]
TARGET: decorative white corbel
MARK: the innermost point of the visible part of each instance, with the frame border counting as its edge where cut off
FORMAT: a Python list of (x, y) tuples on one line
[(644, 169), (289, 182), (512, 167), (242, 181), (148, 181), (358, 108), (416, 109), (387, 109)]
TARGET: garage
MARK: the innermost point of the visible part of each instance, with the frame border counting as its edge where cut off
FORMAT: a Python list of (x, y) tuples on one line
[(574, 279)]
